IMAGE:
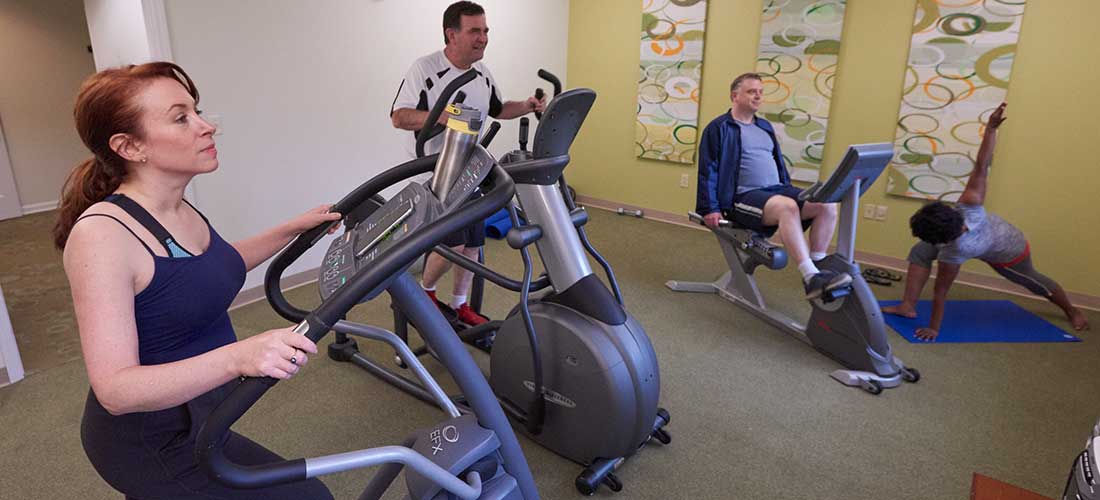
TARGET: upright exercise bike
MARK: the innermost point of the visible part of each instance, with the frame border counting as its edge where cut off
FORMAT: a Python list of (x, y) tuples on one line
[(845, 324), (473, 454)]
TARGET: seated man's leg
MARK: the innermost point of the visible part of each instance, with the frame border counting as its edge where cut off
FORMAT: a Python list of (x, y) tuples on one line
[(771, 207), (920, 268), (824, 217), (784, 212)]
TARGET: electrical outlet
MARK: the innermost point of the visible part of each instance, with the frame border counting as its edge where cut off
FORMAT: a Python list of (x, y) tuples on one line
[(868, 211), (685, 180), (880, 212)]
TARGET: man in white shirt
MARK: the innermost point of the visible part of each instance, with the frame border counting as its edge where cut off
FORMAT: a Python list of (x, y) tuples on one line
[(466, 35)]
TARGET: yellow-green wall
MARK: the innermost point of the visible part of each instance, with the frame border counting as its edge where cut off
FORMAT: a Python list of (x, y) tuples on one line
[(1045, 176)]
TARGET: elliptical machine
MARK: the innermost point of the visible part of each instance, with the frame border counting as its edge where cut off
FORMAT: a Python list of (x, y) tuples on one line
[(595, 368), (1081, 483), (470, 456), (845, 324)]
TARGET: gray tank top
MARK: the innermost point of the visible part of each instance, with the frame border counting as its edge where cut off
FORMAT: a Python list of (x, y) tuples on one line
[(988, 238)]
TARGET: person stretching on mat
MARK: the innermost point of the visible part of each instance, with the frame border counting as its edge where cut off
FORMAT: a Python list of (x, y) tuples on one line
[(953, 235), (742, 178)]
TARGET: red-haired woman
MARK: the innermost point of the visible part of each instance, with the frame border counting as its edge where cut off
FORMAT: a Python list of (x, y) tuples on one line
[(151, 282)]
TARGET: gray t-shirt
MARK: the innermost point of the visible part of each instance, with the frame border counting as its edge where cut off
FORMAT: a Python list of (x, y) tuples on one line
[(988, 238), (758, 168)]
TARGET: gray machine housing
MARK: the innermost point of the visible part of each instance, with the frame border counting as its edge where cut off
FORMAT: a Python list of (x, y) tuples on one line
[(601, 378), (602, 386)]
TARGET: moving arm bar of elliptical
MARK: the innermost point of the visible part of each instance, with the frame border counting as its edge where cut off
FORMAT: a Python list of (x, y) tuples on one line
[(489, 274), (467, 490), (406, 354)]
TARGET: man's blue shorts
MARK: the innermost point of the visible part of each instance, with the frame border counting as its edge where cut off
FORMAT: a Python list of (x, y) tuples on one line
[(748, 208)]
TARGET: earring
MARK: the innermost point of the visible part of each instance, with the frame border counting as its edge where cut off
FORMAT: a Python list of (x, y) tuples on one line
[(144, 159)]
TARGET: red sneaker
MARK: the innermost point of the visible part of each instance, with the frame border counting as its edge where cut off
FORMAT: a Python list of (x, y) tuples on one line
[(468, 316), (443, 307)]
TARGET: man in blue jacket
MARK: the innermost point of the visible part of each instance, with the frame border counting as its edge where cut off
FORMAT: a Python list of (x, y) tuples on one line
[(742, 178)]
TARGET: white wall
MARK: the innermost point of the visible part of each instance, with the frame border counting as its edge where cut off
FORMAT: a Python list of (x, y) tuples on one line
[(303, 91), (117, 29), (43, 59)]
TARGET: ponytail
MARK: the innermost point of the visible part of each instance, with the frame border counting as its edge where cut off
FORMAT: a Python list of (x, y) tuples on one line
[(88, 184)]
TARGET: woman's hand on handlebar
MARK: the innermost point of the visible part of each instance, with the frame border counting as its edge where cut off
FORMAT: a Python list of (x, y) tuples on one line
[(313, 218), (275, 353)]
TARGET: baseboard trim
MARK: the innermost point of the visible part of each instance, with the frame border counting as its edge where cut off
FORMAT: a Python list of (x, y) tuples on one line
[(4, 378), (34, 208), (257, 293), (996, 284)]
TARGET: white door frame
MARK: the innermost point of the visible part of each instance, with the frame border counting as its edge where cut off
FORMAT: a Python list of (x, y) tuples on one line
[(10, 206), (9, 351), (160, 49)]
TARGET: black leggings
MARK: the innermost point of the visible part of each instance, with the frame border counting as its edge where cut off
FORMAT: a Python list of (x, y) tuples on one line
[(151, 455)]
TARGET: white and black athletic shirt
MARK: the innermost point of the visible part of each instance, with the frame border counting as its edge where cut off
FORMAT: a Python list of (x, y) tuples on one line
[(427, 78)]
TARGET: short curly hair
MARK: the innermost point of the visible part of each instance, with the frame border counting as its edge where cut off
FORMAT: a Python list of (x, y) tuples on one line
[(936, 223)]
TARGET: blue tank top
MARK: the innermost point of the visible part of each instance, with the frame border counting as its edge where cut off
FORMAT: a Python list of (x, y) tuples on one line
[(183, 311)]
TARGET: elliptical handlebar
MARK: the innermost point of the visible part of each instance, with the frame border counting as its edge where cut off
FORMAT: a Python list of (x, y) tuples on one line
[(429, 129), (548, 76), (554, 81), (305, 241), (490, 134), (316, 324)]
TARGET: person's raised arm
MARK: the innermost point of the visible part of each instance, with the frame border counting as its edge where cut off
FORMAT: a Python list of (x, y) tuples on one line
[(974, 194), (102, 266)]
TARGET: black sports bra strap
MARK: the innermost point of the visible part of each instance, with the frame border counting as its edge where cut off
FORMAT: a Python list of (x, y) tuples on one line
[(145, 219), (123, 224), (207, 221)]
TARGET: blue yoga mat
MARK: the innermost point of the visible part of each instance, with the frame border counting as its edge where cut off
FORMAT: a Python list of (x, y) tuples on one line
[(978, 321)]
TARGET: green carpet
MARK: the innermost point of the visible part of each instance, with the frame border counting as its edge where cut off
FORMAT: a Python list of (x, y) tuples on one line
[(754, 412)]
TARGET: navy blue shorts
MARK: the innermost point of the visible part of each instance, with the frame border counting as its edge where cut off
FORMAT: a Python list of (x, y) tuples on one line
[(472, 236), (748, 208)]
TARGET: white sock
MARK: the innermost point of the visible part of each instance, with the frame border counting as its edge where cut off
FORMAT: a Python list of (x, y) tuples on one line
[(808, 269), (816, 256), (457, 301), (426, 287)]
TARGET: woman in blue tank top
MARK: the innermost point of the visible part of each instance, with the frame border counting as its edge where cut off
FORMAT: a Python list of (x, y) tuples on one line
[(152, 281)]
